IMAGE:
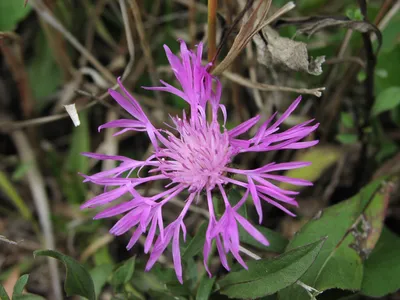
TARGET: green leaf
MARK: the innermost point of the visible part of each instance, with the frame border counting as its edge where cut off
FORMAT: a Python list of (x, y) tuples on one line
[(321, 158), (99, 276), (352, 227), (347, 138), (3, 293), (277, 242), (391, 34), (347, 120), (20, 285), (196, 244), (27, 297), (21, 170), (76, 162), (267, 276), (43, 71), (124, 273), (234, 197), (12, 12), (8, 189), (389, 62), (80, 143), (205, 287), (78, 280), (382, 268), (388, 99)]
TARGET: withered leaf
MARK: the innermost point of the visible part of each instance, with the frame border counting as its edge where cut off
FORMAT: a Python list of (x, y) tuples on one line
[(310, 25), (276, 51)]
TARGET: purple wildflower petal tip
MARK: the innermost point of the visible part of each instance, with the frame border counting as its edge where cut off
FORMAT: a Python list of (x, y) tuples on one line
[(195, 157)]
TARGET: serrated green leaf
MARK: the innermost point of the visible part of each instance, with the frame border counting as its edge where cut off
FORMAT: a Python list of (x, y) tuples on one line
[(20, 285), (321, 158), (78, 280), (388, 99), (267, 276), (382, 268), (11, 13), (205, 287), (124, 273), (346, 224)]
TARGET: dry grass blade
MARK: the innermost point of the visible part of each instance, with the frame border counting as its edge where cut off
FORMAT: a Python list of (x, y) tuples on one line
[(39, 195), (47, 16), (145, 46), (267, 87), (245, 34)]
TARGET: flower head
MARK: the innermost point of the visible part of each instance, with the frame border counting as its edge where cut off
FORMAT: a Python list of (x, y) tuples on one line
[(194, 159)]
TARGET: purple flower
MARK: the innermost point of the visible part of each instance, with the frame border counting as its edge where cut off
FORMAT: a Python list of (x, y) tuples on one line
[(194, 159)]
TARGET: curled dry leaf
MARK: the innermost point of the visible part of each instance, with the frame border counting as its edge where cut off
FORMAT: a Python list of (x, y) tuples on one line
[(310, 25), (249, 28), (276, 51)]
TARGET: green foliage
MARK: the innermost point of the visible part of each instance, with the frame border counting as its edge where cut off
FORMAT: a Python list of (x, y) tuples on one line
[(78, 280), (124, 273), (388, 99), (76, 162), (205, 287), (27, 297), (18, 289), (43, 69), (3, 293), (277, 242), (353, 228), (12, 12), (10, 191), (382, 268), (347, 138), (268, 276), (100, 275), (321, 157), (195, 245), (20, 284)]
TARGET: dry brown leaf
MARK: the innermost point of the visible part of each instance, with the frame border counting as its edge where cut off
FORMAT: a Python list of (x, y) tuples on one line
[(310, 25), (276, 51), (246, 31)]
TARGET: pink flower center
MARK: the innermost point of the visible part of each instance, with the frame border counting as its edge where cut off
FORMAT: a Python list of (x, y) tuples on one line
[(198, 155)]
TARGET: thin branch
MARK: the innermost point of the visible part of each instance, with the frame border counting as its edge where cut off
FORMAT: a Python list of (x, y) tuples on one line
[(39, 195), (267, 87)]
